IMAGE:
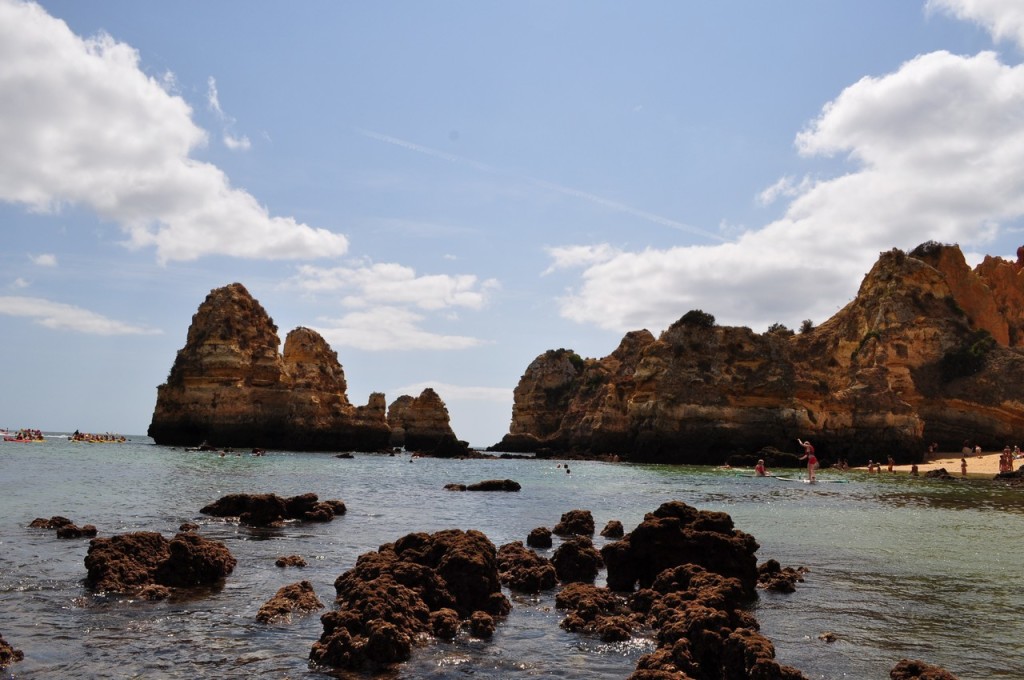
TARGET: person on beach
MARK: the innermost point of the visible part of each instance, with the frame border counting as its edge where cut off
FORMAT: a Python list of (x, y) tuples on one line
[(913, 470), (963, 467), (812, 461), (891, 463), (759, 470)]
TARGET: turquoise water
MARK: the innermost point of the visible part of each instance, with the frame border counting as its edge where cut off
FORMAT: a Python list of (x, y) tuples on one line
[(900, 567)]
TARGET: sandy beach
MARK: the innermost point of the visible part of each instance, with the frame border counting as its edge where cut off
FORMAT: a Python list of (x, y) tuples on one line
[(985, 465)]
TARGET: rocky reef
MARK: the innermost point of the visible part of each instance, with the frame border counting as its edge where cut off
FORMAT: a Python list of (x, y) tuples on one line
[(930, 350), (230, 386), (421, 424)]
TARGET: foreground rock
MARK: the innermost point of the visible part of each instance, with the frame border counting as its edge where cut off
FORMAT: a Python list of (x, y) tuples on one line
[(524, 570), (128, 563), (919, 670), (8, 654), (575, 523), (293, 598), (773, 576), (487, 485), (677, 534), (928, 351), (230, 386), (421, 584), (267, 509), (697, 578)]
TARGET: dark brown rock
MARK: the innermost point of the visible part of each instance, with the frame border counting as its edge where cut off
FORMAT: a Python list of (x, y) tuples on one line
[(575, 522), (229, 385), (481, 625), (495, 485), (293, 598), (262, 510), (74, 531), (907, 669), (577, 561), (127, 562), (521, 569), (8, 654), (539, 538), (290, 561), (597, 611), (613, 529), (55, 522), (676, 534), (392, 596), (444, 623), (772, 576)]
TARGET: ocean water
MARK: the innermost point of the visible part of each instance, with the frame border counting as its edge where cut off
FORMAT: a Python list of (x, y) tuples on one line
[(899, 567)]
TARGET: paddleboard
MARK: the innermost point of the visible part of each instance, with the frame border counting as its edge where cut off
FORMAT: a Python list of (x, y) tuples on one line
[(807, 481)]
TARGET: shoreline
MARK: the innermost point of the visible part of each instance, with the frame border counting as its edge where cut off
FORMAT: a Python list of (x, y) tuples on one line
[(986, 465)]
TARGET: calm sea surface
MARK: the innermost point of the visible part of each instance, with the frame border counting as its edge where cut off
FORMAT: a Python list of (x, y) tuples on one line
[(900, 568)]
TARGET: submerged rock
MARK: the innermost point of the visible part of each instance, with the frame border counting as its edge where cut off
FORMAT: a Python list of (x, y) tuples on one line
[(293, 598), (524, 570), (907, 669), (9, 654)]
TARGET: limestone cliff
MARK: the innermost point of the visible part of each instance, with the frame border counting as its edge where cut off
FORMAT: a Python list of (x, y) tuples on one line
[(230, 386), (929, 350), (421, 424)]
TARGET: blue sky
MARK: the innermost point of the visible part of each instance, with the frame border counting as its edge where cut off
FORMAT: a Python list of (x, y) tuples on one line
[(446, 190)]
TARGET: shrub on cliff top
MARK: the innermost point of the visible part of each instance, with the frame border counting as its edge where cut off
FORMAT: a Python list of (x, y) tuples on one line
[(697, 318)]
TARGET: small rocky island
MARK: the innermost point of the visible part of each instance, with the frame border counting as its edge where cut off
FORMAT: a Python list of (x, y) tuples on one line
[(930, 350), (230, 386)]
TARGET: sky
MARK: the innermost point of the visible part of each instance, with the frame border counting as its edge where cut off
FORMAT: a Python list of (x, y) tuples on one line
[(446, 190)]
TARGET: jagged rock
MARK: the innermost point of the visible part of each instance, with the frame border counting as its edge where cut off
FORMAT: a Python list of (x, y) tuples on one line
[(907, 669), (188, 526), (939, 473), (576, 560), (125, 563), (9, 654), (444, 623), (394, 595), (597, 611), (928, 351), (230, 385), (54, 522), (481, 625), (575, 523), (422, 424), (290, 561), (613, 529), (677, 534), (524, 570), (539, 538), (295, 597), (454, 487), (267, 509)]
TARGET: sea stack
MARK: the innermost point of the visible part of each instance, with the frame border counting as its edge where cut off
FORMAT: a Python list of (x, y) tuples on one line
[(230, 386)]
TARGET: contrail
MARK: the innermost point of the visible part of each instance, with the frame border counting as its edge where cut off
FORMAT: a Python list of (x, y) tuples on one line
[(550, 186)]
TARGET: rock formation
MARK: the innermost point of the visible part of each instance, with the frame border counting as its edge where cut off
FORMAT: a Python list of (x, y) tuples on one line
[(129, 563), (421, 424), (230, 386), (928, 351), (420, 584), (9, 654), (267, 509), (294, 597)]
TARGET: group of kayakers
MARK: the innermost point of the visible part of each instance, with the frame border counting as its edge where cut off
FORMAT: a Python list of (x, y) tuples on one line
[(23, 435), (105, 438)]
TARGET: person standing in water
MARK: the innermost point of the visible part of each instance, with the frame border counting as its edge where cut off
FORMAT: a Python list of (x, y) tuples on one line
[(759, 470), (812, 461)]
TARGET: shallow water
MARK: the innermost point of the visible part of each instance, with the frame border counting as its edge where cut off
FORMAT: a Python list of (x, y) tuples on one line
[(900, 567)]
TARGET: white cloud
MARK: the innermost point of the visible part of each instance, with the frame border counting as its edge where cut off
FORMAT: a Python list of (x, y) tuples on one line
[(567, 257), (44, 260), (395, 284), (389, 328), (20, 283), (80, 123), (451, 393), (231, 141), (60, 316), (937, 152), (785, 187), (237, 143), (1004, 19)]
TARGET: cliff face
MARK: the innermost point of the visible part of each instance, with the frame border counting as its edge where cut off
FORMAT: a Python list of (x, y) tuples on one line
[(927, 351), (231, 387), (421, 424)]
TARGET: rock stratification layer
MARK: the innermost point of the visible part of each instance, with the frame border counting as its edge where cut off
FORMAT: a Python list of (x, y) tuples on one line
[(929, 351), (230, 386)]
